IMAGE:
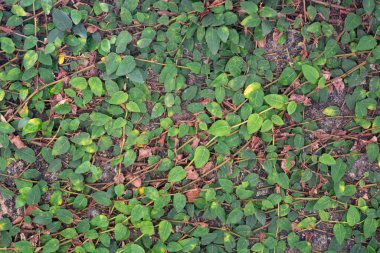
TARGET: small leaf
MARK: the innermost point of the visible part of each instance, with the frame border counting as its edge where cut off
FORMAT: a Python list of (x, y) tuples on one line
[(102, 198), (133, 248), (212, 40), (34, 196), (157, 111), (118, 98), (64, 215), (220, 128), (275, 100), (339, 233), (61, 20), (79, 83), (201, 156), (352, 21), (369, 227), (96, 86), (30, 58), (254, 123), (132, 107), (327, 159), (372, 152), (126, 66), (61, 146), (353, 216), (310, 73), (369, 6), (121, 232), (366, 42), (176, 174), (7, 45), (235, 216), (287, 76), (164, 230), (331, 111)]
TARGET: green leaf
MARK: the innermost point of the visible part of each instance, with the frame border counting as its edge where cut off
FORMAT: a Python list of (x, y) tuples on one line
[(61, 20), (283, 181), (79, 83), (33, 126), (338, 170), (118, 98), (287, 76), (147, 228), (370, 227), (331, 111), (323, 203), (7, 45), (76, 16), (61, 146), (223, 33), (126, 66), (30, 58), (132, 107), (64, 215), (372, 151), (102, 198), (254, 123), (179, 201), (201, 156), (292, 107), (267, 12), (96, 86), (219, 81), (215, 109), (369, 6), (133, 248), (144, 42), (252, 20), (339, 233), (164, 230), (33, 197), (366, 42), (212, 40), (112, 63), (352, 21), (6, 128), (26, 154), (327, 159), (84, 167), (51, 246), (157, 111), (234, 216), (277, 120), (353, 216), (47, 5), (275, 100), (220, 128), (249, 7), (176, 174), (69, 233), (121, 232), (310, 73)]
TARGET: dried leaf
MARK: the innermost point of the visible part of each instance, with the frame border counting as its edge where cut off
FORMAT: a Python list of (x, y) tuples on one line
[(300, 99), (338, 84), (92, 29), (119, 178), (144, 153), (16, 140), (191, 173), (206, 168), (192, 194)]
